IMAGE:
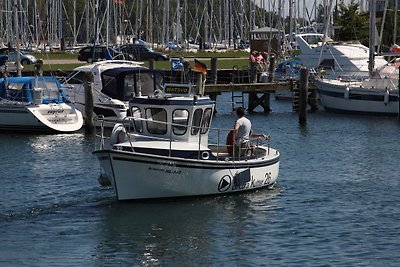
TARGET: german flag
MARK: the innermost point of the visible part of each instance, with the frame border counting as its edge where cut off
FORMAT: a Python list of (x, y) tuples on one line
[(200, 67)]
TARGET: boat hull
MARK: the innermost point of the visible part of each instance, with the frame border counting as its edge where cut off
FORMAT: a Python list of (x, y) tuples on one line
[(339, 98), (139, 176), (44, 117)]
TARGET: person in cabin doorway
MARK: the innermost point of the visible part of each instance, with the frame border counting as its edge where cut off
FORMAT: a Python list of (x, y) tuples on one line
[(242, 134)]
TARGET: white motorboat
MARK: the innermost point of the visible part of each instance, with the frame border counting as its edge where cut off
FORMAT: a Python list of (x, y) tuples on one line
[(167, 150), (337, 59), (36, 104), (115, 82)]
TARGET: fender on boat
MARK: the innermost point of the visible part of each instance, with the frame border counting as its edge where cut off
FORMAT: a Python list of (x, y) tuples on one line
[(118, 134), (229, 143), (347, 93), (386, 97)]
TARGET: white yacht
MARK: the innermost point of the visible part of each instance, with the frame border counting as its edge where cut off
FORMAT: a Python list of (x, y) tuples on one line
[(115, 82)]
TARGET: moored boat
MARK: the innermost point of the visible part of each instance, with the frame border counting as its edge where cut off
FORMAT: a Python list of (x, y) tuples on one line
[(115, 82), (374, 96), (167, 150), (36, 104)]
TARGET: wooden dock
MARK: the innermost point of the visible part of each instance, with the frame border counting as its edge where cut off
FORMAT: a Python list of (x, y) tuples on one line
[(259, 94), (250, 87), (253, 89)]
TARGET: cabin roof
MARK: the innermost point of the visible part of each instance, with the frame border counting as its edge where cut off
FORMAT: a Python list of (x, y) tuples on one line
[(265, 30)]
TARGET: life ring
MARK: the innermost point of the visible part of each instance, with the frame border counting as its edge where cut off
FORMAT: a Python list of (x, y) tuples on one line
[(118, 134), (229, 143)]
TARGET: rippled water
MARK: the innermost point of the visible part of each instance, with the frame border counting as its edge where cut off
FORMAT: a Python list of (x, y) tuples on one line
[(335, 204)]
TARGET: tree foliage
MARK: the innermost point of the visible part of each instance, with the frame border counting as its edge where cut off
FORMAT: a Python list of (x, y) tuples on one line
[(351, 24)]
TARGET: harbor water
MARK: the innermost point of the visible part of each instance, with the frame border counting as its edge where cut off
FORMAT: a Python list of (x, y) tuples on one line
[(336, 202)]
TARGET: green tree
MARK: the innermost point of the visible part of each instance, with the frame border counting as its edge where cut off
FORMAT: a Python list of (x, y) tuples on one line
[(351, 24)]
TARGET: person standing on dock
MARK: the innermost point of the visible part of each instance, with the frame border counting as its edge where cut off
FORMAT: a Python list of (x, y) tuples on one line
[(242, 134)]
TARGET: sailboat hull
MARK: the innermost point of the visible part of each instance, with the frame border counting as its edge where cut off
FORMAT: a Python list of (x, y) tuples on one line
[(44, 117), (353, 98)]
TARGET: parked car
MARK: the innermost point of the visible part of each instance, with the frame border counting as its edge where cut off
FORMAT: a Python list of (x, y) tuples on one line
[(11, 54), (25, 58), (142, 52), (95, 53)]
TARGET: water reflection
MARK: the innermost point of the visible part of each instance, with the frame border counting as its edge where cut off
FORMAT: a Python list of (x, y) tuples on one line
[(176, 231)]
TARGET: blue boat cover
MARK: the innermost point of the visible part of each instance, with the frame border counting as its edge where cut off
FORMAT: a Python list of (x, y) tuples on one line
[(21, 89)]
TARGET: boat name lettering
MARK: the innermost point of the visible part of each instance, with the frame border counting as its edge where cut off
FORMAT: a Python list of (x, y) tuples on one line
[(176, 90), (267, 179), (253, 183), (55, 111), (166, 168)]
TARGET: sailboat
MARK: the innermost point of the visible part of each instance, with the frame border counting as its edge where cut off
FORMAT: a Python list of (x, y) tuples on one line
[(376, 95)]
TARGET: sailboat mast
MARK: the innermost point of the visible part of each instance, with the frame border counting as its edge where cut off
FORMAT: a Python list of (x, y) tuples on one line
[(372, 31), (16, 30), (396, 6), (108, 23)]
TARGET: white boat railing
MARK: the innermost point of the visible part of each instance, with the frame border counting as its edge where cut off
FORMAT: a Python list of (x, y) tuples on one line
[(218, 136)]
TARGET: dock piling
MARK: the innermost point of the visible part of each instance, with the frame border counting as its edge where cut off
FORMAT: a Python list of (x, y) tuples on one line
[(151, 64), (214, 70), (89, 123), (271, 69), (200, 84), (303, 95)]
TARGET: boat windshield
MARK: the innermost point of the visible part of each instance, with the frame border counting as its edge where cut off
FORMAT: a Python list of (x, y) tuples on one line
[(131, 84), (143, 82), (76, 77)]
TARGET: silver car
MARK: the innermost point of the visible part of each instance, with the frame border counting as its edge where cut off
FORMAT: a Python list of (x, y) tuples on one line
[(25, 58)]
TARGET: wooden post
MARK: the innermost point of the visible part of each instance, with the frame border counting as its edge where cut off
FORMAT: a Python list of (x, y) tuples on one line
[(303, 95), (151, 64), (265, 102), (271, 69), (89, 123), (38, 68), (214, 70), (200, 85), (253, 72), (313, 100), (253, 102), (213, 97)]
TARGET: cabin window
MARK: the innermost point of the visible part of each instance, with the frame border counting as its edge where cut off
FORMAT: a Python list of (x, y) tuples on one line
[(109, 85), (145, 82), (181, 117), (137, 119), (196, 121), (76, 77), (205, 123), (129, 87), (328, 63), (154, 117)]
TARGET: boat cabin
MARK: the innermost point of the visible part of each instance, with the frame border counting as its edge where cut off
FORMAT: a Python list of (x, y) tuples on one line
[(173, 114), (118, 79)]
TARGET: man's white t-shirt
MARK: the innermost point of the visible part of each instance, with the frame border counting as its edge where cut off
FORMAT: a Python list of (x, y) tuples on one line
[(243, 133)]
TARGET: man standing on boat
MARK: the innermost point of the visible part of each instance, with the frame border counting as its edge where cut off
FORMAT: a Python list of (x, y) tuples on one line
[(242, 134)]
